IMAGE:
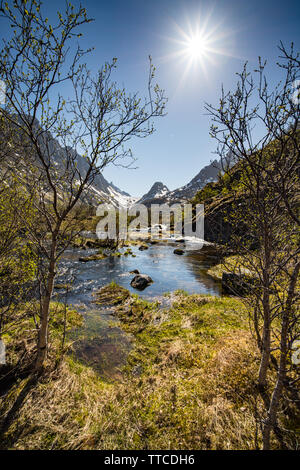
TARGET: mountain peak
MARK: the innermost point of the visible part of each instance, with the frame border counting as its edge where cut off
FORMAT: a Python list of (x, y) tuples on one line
[(158, 190), (159, 193), (158, 185)]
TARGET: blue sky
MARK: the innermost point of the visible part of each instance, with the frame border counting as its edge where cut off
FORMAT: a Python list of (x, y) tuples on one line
[(131, 30)]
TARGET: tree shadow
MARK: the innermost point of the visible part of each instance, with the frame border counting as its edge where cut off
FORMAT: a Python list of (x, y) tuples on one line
[(9, 376)]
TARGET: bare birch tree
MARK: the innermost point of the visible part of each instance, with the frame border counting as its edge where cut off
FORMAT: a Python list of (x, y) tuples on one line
[(259, 127), (97, 121)]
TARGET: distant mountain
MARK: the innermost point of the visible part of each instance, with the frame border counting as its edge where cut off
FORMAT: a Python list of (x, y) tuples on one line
[(208, 174), (120, 197), (100, 190), (159, 193)]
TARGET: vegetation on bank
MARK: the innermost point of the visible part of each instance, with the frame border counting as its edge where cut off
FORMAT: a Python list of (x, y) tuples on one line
[(229, 264), (188, 384), (253, 212), (208, 373)]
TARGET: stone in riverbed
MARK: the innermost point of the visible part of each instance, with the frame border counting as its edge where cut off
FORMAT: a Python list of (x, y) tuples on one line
[(141, 281), (178, 251), (84, 260), (62, 286), (95, 257)]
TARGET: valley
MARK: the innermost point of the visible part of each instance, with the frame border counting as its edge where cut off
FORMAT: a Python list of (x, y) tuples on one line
[(152, 318)]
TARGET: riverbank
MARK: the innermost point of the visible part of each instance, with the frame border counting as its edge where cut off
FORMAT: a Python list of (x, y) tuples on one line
[(188, 384)]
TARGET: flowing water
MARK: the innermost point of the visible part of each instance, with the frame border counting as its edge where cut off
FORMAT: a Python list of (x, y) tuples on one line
[(100, 342)]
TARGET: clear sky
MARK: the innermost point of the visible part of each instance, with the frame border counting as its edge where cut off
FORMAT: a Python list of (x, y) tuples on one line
[(234, 31)]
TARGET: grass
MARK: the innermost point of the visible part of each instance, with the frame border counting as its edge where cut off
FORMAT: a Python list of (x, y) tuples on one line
[(112, 294), (233, 264), (188, 384), (21, 338)]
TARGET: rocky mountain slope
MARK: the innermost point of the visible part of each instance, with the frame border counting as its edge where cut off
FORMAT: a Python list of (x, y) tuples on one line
[(103, 191), (99, 191), (157, 193), (160, 194)]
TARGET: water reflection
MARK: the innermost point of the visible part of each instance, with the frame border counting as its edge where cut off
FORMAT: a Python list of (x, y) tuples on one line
[(101, 343)]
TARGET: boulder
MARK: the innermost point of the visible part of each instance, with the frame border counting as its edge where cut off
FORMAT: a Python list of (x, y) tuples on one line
[(135, 271), (95, 257), (143, 247), (141, 281), (178, 251)]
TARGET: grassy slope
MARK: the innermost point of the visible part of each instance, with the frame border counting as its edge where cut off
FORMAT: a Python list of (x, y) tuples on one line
[(188, 385)]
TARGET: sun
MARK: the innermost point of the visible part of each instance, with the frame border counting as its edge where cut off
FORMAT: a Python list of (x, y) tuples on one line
[(201, 43), (197, 46)]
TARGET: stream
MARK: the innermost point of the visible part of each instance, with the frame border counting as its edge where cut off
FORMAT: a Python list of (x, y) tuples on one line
[(100, 343)]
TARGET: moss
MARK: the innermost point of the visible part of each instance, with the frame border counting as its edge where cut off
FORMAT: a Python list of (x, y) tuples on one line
[(116, 254), (232, 264), (188, 383), (112, 294), (96, 257), (62, 286)]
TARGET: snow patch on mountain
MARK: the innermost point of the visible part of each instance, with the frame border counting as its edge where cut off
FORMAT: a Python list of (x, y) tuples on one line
[(100, 189), (157, 191), (122, 198)]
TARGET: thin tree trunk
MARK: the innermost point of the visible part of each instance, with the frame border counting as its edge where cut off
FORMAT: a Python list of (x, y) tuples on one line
[(43, 330), (266, 335), (65, 324), (271, 421), (265, 358)]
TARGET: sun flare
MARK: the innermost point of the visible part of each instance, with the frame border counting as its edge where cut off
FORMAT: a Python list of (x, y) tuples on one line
[(197, 46), (201, 43)]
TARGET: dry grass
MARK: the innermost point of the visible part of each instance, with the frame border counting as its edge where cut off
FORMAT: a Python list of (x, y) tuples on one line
[(194, 388)]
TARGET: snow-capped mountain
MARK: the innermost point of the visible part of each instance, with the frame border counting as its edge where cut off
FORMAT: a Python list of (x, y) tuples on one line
[(121, 197), (100, 190), (159, 193), (208, 174)]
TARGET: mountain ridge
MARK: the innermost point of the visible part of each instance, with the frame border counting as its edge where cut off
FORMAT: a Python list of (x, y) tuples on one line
[(159, 193)]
